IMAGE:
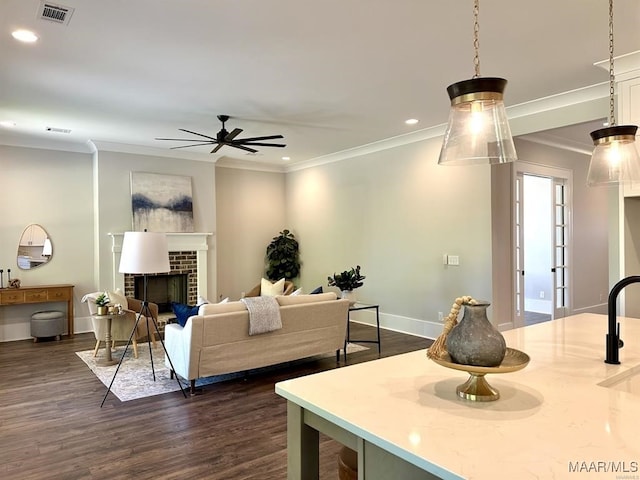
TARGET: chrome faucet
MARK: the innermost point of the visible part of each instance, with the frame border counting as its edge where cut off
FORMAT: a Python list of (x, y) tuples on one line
[(613, 342)]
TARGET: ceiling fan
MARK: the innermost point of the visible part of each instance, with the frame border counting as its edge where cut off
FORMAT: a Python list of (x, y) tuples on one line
[(223, 137)]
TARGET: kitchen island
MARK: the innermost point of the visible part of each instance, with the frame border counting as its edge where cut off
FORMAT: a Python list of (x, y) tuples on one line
[(553, 420)]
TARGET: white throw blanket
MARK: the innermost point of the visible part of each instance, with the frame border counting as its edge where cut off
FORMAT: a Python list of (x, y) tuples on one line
[(264, 314)]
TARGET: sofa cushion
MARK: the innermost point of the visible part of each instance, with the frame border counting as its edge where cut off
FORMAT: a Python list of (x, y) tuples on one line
[(268, 289), (215, 308), (300, 299), (183, 312)]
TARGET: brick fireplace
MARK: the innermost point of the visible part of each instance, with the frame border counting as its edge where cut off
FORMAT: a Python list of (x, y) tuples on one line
[(188, 254)]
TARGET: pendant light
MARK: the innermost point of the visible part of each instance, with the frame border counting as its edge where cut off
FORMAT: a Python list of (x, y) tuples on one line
[(478, 131), (615, 159)]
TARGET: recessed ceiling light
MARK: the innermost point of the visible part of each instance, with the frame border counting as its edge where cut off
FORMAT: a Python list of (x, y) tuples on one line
[(286, 158), (8, 124), (26, 36), (411, 121)]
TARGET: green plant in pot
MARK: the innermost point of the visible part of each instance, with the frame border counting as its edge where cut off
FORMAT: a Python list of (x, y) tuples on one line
[(347, 282), (102, 303), (283, 257)]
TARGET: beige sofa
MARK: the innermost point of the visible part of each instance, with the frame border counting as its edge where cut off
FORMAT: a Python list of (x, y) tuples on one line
[(217, 340)]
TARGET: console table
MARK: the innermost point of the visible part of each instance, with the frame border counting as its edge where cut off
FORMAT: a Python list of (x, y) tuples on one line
[(41, 294)]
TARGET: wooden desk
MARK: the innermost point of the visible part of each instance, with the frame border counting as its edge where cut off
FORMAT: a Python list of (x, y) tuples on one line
[(41, 294)]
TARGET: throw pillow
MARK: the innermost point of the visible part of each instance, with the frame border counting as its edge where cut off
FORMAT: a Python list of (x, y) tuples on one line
[(224, 300), (316, 291), (268, 289), (201, 300), (118, 297), (183, 312), (297, 292)]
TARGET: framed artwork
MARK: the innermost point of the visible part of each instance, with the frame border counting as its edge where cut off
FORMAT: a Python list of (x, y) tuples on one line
[(161, 203)]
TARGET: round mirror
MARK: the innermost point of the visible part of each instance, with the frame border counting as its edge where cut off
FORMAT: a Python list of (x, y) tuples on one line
[(35, 247)]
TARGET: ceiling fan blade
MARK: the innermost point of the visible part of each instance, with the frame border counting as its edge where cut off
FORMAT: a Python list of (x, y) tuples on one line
[(257, 139), (258, 144), (199, 134), (180, 139), (193, 145), (218, 147), (233, 134), (234, 145)]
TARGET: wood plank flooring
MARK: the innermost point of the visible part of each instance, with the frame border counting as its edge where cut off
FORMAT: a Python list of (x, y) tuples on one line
[(52, 426)]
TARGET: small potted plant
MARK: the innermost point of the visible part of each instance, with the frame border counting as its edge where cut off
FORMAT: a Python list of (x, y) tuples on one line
[(102, 302), (347, 282)]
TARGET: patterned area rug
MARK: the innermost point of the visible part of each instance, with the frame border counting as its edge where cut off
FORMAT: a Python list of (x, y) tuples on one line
[(135, 379)]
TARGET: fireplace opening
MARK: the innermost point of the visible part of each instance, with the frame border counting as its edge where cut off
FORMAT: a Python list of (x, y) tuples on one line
[(163, 289)]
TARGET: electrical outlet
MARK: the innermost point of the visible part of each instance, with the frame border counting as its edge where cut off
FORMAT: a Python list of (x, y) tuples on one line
[(440, 316), (541, 293), (454, 260)]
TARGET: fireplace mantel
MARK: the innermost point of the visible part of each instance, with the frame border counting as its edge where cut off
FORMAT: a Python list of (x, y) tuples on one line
[(178, 242)]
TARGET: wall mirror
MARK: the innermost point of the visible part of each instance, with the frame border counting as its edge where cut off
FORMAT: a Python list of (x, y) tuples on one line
[(35, 247)]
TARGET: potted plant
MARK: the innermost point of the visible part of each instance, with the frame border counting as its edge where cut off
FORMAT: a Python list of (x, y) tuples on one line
[(283, 257), (347, 281), (102, 302)]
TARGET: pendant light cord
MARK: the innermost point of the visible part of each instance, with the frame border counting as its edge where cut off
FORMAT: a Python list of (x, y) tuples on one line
[(612, 78), (476, 38)]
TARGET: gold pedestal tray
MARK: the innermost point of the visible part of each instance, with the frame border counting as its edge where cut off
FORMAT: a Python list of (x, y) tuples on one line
[(476, 388)]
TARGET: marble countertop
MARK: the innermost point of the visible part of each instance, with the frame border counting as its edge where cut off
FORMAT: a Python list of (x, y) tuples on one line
[(553, 420)]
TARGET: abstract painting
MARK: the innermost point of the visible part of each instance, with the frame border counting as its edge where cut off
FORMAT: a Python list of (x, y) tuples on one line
[(161, 203)]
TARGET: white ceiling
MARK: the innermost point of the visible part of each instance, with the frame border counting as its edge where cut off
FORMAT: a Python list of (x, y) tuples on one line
[(329, 75)]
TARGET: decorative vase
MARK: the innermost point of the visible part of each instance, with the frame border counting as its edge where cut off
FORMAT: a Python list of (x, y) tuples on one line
[(349, 295), (474, 341), (102, 310)]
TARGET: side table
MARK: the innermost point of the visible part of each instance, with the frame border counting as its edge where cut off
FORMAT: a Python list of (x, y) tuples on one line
[(108, 359), (357, 307)]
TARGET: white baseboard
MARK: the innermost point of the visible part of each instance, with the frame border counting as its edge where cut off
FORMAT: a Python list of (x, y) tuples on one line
[(397, 323)]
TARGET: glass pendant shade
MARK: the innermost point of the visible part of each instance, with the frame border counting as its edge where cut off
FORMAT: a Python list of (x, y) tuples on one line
[(478, 131), (615, 159)]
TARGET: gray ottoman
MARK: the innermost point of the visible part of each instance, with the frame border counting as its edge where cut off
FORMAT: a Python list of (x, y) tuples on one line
[(49, 323)]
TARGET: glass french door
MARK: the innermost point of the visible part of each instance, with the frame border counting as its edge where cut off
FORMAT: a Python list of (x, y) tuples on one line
[(519, 252), (560, 268)]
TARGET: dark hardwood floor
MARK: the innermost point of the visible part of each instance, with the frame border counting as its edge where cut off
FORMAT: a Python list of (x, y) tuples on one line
[(52, 426)]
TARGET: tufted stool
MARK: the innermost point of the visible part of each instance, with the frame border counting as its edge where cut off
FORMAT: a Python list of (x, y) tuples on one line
[(347, 464), (49, 323)]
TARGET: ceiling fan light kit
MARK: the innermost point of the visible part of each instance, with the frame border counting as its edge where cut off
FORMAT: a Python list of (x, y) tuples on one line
[(615, 159), (225, 138), (478, 130)]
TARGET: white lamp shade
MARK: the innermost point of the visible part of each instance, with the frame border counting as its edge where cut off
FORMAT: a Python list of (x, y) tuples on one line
[(144, 252)]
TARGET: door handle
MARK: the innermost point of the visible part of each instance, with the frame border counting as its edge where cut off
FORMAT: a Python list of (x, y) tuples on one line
[(553, 270)]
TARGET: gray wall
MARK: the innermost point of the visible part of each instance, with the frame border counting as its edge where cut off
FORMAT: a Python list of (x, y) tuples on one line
[(396, 213), (79, 198), (54, 189), (251, 211)]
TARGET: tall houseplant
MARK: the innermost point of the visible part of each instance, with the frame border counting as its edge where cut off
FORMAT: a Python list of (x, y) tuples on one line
[(283, 257)]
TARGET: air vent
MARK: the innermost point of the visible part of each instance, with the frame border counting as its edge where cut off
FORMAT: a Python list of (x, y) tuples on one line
[(55, 12), (58, 130)]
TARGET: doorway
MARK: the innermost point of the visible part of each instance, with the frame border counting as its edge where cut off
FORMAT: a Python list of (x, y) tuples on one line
[(542, 244)]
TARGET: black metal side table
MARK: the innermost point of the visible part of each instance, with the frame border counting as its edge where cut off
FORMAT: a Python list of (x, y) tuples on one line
[(357, 307)]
